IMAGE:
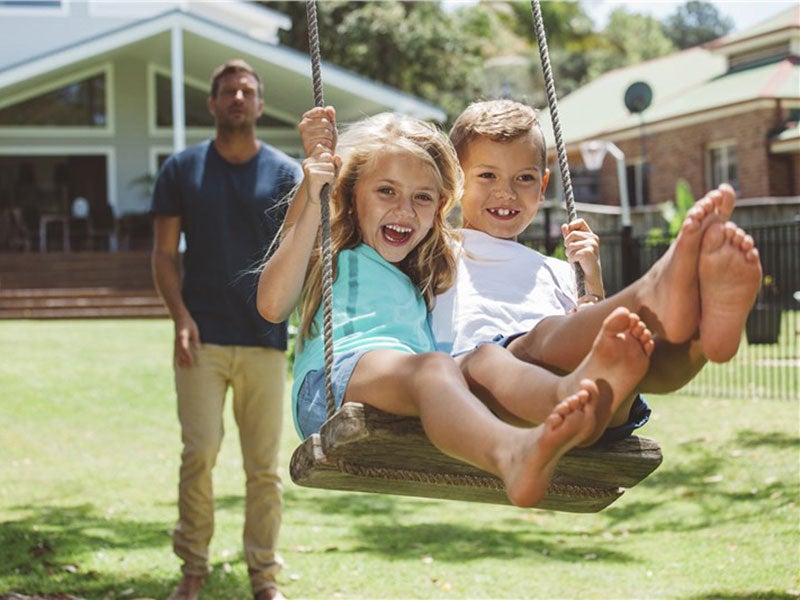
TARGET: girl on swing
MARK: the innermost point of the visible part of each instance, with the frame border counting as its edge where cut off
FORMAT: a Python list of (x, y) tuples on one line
[(393, 181)]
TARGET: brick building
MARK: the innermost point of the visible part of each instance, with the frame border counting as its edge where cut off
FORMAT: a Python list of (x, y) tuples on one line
[(725, 111)]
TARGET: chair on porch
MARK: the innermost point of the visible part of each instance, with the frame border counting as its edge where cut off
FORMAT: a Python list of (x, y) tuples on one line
[(24, 228), (94, 225), (102, 227)]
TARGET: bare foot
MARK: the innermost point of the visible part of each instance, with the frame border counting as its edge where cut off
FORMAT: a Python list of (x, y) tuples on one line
[(619, 358), (668, 294), (725, 204), (528, 471), (730, 276)]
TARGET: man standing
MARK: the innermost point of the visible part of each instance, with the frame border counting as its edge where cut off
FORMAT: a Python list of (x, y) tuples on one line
[(225, 196)]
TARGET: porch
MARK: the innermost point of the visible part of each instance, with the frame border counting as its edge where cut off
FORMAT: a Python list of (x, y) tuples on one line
[(62, 285)]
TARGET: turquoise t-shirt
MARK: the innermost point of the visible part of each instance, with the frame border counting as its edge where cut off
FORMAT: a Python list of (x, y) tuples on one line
[(375, 306)]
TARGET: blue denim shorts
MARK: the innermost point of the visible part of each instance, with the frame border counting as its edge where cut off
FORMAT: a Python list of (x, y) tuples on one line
[(638, 416), (312, 403)]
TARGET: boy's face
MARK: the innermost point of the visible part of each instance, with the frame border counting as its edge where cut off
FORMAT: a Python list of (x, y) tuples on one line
[(504, 183)]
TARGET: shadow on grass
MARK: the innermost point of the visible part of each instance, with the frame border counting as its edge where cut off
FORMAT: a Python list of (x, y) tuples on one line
[(698, 479), (379, 525), (45, 552)]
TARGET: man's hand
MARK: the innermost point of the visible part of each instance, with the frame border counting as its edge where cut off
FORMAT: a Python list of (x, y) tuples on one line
[(187, 340)]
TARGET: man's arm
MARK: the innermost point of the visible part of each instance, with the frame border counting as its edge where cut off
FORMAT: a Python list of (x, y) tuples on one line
[(167, 278)]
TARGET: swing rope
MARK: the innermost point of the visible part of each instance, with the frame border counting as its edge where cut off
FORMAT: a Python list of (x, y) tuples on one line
[(325, 213), (552, 102)]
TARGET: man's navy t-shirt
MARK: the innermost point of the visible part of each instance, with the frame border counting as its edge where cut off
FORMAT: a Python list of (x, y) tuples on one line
[(230, 214)]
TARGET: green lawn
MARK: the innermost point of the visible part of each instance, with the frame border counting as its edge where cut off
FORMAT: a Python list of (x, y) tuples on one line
[(89, 450)]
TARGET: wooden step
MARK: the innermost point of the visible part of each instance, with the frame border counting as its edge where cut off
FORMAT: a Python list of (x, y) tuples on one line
[(77, 301), (116, 312), (80, 303), (118, 270)]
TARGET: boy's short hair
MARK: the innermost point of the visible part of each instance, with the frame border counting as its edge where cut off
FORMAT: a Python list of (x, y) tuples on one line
[(236, 65), (498, 120)]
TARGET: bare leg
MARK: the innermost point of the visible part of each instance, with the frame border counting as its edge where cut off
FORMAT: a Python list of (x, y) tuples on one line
[(672, 366), (667, 298), (730, 277), (569, 423), (525, 394), (619, 358), (432, 387)]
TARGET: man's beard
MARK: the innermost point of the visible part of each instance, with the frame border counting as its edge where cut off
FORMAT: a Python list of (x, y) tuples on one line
[(232, 127)]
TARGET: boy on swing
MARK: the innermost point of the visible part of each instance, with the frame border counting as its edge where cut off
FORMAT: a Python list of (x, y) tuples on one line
[(695, 299)]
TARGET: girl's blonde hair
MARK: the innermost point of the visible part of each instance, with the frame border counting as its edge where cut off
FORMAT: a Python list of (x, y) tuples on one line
[(431, 265)]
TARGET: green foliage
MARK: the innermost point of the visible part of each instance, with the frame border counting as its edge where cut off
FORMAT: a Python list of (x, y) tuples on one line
[(673, 213), (696, 22), (629, 38), (413, 46)]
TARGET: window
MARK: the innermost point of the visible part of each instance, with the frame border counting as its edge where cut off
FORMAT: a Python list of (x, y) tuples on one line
[(638, 175), (723, 166), (30, 3), (36, 8), (78, 104), (196, 108)]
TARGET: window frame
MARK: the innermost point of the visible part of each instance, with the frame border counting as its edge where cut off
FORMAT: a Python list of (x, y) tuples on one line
[(45, 131), (193, 131), (724, 147), (32, 10)]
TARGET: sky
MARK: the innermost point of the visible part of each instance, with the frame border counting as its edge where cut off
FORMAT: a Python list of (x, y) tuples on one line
[(743, 12)]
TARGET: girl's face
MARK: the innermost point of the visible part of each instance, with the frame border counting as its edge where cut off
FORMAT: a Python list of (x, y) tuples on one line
[(504, 183), (396, 202)]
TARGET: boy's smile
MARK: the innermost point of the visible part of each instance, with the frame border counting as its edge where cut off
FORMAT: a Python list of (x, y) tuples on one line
[(396, 200), (504, 184)]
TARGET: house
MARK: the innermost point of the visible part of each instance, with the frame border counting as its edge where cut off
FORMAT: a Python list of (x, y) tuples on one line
[(725, 111), (94, 95)]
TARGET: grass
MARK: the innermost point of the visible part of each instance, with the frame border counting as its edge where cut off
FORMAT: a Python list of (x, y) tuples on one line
[(89, 450)]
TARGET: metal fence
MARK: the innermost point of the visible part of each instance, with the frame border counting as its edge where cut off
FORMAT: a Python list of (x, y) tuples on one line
[(767, 365)]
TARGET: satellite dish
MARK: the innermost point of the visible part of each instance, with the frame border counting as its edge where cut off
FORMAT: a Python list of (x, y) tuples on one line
[(638, 97)]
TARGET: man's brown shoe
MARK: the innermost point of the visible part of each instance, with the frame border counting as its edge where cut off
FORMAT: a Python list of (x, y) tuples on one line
[(188, 588), (270, 593)]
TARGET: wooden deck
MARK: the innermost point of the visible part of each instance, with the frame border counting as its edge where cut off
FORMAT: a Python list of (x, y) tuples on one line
[(78, 285)]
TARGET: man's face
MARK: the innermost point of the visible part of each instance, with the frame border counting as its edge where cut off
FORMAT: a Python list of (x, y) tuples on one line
[(237, 104), (504, 183)]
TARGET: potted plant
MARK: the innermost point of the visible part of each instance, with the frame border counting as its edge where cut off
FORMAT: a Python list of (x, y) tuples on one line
[(764, 321)]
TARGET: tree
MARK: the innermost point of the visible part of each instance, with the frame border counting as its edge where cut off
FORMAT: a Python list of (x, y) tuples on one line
[(629, 38), (413, 46), (695, 23)]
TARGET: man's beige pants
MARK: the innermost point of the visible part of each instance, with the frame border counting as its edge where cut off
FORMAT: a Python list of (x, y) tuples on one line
[(256, 376)]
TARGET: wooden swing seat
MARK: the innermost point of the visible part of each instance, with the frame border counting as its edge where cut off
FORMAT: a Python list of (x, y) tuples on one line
[(364, 449)]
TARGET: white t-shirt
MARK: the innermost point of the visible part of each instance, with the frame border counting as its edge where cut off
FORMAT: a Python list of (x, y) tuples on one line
[(502, 287)]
